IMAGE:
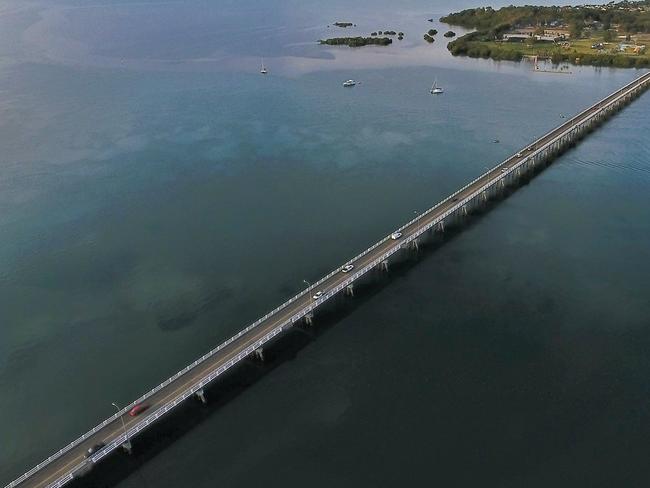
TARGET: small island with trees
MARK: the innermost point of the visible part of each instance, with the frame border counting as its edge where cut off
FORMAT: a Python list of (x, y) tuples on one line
[(376, 38), (614, 34), (429, 35), (356, 41)]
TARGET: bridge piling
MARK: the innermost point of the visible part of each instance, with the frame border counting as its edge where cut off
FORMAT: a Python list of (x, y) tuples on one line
[(200, 394), (127, 446), (349, 290), (259, 354)]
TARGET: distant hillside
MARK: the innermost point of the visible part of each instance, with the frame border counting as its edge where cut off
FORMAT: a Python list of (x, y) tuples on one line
[(628, 16)]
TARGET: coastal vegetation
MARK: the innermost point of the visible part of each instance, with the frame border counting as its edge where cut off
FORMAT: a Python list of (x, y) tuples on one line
[(432, 32), (356, 41), (449, 34), (587, 35), (343, 24)]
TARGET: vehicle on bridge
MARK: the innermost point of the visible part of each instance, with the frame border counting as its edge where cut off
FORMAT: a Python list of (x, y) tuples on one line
[(92, 450), (347, 268), (138, 409), (395, 235), (318, 295)]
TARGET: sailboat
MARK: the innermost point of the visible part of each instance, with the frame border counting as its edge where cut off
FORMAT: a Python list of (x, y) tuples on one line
[(435, 89), (263, 70)]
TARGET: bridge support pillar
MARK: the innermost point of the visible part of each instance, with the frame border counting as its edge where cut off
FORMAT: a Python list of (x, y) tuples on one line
[(309, 319), (349, 290), (441, 226), (259, 354), (200, 394), (465, 210), (384, 265), (128, 448), (484, 196), (415, 245)]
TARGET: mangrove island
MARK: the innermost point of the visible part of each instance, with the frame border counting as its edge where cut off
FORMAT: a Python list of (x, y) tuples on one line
[(356, 41)]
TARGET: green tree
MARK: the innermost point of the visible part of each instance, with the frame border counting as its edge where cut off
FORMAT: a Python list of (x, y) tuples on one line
[(575, 30), (608, 36)]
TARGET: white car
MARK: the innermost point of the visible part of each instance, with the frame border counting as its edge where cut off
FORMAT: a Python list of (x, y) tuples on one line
[(395, 235), (318, 295), (518, 154), (347, 268)]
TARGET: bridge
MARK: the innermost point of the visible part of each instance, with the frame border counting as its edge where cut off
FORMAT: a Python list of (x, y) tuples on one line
[(117, 431)]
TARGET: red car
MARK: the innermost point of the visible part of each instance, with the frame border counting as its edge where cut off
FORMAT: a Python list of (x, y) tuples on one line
[(138, 409)]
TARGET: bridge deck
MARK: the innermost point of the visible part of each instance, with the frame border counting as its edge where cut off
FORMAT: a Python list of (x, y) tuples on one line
[(59, 468)]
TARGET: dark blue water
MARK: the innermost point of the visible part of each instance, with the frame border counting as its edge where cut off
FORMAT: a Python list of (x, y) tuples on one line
[(157, 194)]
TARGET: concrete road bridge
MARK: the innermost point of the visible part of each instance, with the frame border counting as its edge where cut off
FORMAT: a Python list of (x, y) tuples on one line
[(117, 431)]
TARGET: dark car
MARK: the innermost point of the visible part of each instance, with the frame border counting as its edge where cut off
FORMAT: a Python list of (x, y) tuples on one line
[(94, 449)]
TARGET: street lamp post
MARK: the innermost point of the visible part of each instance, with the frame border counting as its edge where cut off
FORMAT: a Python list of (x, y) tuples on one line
[(122, 419), (126, 445), (417, 236), (126, 438), (311, 298)]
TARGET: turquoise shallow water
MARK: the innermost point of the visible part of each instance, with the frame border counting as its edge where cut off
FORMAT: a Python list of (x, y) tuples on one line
[(157, 194)]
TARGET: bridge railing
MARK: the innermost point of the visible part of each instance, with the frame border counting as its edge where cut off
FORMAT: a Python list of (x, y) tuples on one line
[(640, 81)]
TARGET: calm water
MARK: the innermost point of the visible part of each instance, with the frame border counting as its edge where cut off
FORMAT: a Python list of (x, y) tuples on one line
[(157, 194)]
